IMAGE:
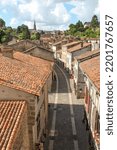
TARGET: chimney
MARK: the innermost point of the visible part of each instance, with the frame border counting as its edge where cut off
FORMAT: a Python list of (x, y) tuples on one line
[(7, 52)]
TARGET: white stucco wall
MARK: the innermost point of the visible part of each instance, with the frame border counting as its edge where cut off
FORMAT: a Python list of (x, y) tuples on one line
[(70, 56), (69, 60), (95, 44), (75, 69), (54, 50)]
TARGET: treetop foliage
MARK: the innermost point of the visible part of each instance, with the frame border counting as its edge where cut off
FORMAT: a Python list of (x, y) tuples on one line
[(22, 32), (85, 30), (2, 23)]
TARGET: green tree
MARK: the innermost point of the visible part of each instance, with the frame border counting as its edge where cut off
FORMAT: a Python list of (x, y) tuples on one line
[(35, 36), (23, 32), (2, 23), (8, 30), (94, 22), (3, 36), (80, 26), (79, 31), (72, 29)]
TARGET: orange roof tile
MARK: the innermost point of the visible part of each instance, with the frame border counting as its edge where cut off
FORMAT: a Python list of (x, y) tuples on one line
[(26, 73), (32, 60), (78, 47), (11, 115), (91, 68)]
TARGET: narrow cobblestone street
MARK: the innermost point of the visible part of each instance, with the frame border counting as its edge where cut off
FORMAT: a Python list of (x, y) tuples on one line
[(66, 130)]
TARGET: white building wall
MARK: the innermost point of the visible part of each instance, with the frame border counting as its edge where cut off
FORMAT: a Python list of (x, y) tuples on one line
[(95, 44), (69, 60), (64, 55), (54, 50), (75, 69), (70, 56)]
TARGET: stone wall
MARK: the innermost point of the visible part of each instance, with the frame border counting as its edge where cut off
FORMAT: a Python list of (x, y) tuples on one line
[(7, 93), (23, 45), (80, 84), (41, 53), (79, 52), (33, 49), (33, 108)]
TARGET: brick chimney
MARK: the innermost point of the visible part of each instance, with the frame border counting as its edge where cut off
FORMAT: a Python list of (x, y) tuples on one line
[(7, 52)]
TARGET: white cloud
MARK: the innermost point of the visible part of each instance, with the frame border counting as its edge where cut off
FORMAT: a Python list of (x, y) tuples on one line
[(30, 24), (85, 9), (13, 21), (60, 14), (8, 2), (52, 14), (97, 9)]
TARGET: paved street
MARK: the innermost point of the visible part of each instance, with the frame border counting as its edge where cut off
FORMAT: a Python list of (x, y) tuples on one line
[(66, 130)]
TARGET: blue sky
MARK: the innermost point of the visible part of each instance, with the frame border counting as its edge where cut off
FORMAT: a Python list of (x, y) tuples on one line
[(49, 14)]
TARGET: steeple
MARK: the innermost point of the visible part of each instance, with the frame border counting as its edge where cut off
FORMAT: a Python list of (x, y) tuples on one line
[(34, 25)]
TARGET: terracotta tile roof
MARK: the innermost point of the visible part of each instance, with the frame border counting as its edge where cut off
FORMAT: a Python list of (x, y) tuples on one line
[(32, 60), (24, 73), (87, 54), (11, 115), (91, 68), (78, 47)]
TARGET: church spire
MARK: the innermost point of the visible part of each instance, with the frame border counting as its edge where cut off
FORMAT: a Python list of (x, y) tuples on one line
[(34, 25)]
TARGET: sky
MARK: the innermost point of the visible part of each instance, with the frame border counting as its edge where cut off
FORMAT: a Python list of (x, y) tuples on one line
[(48, 14)]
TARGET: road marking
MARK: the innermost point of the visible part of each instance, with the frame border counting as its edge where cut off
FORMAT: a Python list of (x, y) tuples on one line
[(76, 147), (52, 131)]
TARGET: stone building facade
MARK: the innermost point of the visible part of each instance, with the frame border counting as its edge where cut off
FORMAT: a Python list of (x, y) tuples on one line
[(78, 76), (34, 49), (24, 77), (72, 51), (91, 71)]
